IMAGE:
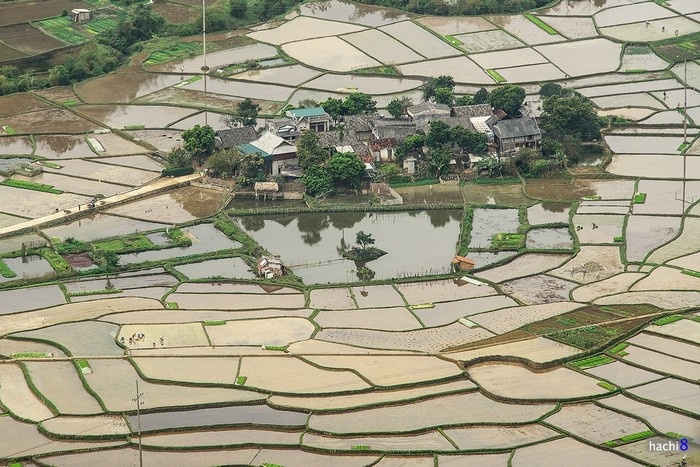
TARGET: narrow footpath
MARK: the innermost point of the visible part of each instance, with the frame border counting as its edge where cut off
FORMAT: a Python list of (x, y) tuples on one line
[(159, 185)]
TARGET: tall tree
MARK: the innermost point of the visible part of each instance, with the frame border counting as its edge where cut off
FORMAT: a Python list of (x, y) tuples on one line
[(309, 151), (364, 239), (200, 141), (481, 96), (431, 86), (440, 160), (571, 115), (246, 114), (438, 135), (509, 98), (317, 180), (346, 169), (180, 157)]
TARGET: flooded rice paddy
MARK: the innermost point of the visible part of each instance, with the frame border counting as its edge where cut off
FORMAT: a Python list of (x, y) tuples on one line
[(317, 238), (491, 222)]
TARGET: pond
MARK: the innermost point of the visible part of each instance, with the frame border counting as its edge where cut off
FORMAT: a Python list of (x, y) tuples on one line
[(26, 267), (205, 239), (417, 242)]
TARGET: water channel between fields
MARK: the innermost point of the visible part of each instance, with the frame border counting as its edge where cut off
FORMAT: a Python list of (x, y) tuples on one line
[(417, 242)]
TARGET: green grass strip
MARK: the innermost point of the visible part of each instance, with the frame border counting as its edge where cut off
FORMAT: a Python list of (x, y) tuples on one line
[(544, 26), (640, 198), (360, 447), (51, 165), (496, 75), (606, 385), (25, 185), (83, 365), (5, 271), (453, 40), (619, 349), (9, 130), (668, 320), (31, 355), (215, 323), (618, 240), (629, 438), (172, 305), (690, 272), (240, 381), (683, 146), (281, 348), (85, 293), (592, 362)]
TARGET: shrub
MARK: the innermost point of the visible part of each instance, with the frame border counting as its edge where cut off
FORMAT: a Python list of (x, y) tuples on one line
[(177, 171)]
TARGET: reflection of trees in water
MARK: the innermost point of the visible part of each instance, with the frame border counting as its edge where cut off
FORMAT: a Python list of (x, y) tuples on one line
[(253, 223), (439, 217), (364, 274), (58, 144), (311, 225), (345, 220), (555, 207), (283, 220)]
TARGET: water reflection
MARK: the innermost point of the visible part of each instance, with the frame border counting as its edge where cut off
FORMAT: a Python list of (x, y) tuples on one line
[(417, 242)]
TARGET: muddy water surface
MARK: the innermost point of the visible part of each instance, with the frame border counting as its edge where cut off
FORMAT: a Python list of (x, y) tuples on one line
[(124, 86), (304, 240), (352, 13), (100, 226), (62, 146), (489, 222), (15, 145), (549, 239), (27, 267), (228, 267)]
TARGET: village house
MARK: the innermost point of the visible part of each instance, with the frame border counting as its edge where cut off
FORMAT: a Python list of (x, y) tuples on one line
[(274, 150), (398, 130), (511, 135), (409, 164), (270, 266), (425, 112), (314, 119), (382, 150), (285, 128), (233, 137)]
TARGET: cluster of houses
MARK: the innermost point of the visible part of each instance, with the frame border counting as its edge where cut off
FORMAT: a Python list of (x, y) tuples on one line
[(374, 138)]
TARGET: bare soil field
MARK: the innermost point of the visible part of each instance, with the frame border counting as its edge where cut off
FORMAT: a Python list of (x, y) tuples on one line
[(91, 426), (173, 335), (290, 375), (81, 338), (417, 293), (594, 423), (272, 331), (624, 375), (538, 350), (331, 299), (449, 312), (673, 392), (386, 319), (569, 452), (430, 441), (368, 399), (59, 382), (478, 437), (662, 420), (538, 289), (684, 329), (524, 265), (518, 382), (28, 39), (21, 12), (392, 370), (18, 398), (240, 437), (441, 411), (509, 319), (189, 369)]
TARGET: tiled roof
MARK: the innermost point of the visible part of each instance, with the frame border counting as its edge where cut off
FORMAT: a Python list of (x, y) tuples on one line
[(516, 128), (231, 137)]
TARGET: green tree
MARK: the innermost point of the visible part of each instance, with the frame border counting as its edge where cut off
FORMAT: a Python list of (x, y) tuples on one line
[(412, 145), (238, 8), (444, 96), (551, 89), (438, 135), (465, 100), (481, 96), (508, 98), (469, 141), (317, 180), (228, 163), (246, 114), (397, 107), (179, 157), (431, 86), (309, 150), (359, 103), (440, 160), (570, 115), (550, 146), (333, 107), (222, 164), (364, 239), (346, 169), (200, 141), (307, 104)]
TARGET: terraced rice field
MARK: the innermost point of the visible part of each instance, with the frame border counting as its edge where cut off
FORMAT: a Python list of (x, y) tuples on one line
[(478, 368)]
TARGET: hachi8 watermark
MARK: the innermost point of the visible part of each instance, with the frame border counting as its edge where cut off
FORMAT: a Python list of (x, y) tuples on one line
[(680, 445)]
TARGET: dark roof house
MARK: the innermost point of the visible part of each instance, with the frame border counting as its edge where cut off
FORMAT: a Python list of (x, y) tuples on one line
[(516, 133), (232, 137), (472, 111)]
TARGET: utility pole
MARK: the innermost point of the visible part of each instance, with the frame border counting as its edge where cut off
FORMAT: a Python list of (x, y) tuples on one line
[(685, 128), (137, 399), (205, 68)]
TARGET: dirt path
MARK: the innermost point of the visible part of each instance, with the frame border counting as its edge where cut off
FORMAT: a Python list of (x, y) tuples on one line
[(106, 203)]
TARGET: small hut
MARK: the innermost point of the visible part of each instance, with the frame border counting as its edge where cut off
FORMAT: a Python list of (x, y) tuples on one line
[(266, 188), (270, 266), (462, 263), (80, 15)]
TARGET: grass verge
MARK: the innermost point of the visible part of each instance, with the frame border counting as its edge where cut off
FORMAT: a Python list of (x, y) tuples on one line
[(496, 75), (5, 271), (542, 25), (31, 186), (592, 362), (667, 320)]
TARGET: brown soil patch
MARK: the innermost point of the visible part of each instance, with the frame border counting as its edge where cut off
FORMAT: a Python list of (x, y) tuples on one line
[(512, 336), (174, 13), (79, 260), (50, 121), (28, 39), (21, 12), (58, 93), (8, 53), (16, 103), (188, 97)]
